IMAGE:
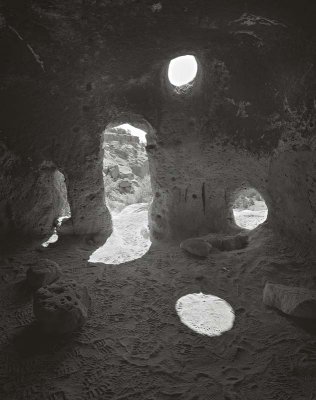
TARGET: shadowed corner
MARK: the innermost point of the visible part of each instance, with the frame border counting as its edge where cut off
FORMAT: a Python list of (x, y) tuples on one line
[(305, 324), (30, 340)]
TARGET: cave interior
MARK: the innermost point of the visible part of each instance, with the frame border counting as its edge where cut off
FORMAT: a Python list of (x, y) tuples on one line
[(246, 120)]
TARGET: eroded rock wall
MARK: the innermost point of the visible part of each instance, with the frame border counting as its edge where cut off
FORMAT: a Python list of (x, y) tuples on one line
[(29, 197), (70, 70)]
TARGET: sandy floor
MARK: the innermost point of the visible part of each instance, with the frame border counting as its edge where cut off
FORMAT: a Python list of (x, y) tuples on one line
[(130, 238), (134, 345)]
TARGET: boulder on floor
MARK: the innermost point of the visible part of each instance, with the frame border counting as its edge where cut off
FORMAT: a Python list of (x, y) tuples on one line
[(196, 246), (235, 242), (227, 242), (42, 273), (294, 301), (61, 307)]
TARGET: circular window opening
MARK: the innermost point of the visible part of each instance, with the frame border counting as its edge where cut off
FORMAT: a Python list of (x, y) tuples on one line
[(250, 209), (205, 314), (182, 70)]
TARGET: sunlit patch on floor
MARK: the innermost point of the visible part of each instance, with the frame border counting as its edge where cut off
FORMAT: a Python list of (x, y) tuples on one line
[(130, 238), (51, 239), (54, 237), (205, 314)]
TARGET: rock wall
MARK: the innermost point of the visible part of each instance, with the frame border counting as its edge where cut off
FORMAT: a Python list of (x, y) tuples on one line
[(70, 70), (124, 156), (30, 200)]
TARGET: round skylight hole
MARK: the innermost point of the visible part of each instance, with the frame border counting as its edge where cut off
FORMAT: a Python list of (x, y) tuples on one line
[(182, 70)]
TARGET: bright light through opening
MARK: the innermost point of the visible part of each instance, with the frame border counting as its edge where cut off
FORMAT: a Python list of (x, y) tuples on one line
[(250, 209), (182, 70), (128, 195), (134, 131), (205, 314)]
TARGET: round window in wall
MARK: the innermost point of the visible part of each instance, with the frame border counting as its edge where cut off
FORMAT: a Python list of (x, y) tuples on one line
[(182, 71), (250, 209)]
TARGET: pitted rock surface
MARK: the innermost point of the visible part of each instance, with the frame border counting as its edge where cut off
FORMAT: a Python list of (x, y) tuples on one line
[(126, 172), (294, 301), (43, 273), (247, 120), (62, 307), (227, 242), (196, 246)]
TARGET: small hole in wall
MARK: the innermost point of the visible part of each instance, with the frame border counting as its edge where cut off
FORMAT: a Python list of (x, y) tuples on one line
[(249, 208), (182, 70), (60, 188)]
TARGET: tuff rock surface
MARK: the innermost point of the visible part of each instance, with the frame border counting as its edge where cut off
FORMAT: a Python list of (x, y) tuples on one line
[(68, 71), (43, 273), (294, 301), (227, 242), (247, 120), (61, 307), (124, 155), (196, 246)]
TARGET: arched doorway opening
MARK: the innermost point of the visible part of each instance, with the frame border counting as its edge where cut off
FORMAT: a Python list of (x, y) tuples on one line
[(128, 194)]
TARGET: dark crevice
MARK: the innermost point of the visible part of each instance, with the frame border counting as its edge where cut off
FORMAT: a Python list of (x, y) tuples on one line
[(203, 196)]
